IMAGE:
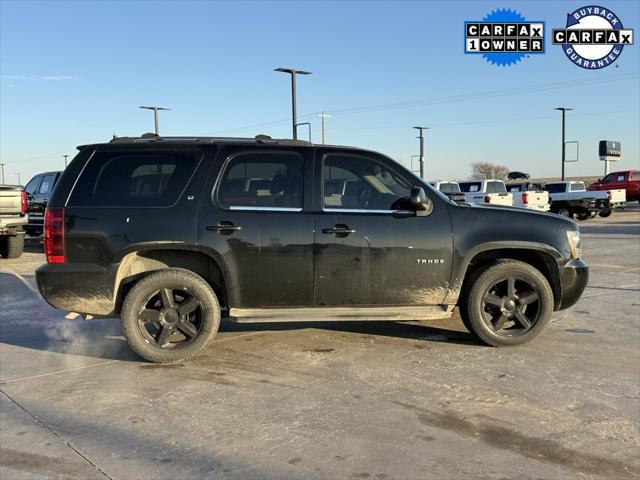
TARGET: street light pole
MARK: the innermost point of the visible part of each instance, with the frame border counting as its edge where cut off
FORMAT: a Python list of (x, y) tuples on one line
[(65, 160), (155, 116), (324, 115), (2, 168), (564, 111), (19, 179), (421, 137), (294, 116)]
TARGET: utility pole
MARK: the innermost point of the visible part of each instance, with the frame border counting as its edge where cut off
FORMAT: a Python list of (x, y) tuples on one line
[(421, 137), (564, 111), (324, 115), (155, 116), (2, 168), (19, 180), (294, 116), (65, 160)]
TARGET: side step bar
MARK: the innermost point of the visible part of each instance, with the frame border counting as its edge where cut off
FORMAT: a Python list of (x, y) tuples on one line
[(329, 314)]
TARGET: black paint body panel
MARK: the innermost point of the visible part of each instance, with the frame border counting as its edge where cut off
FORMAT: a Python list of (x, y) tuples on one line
[(282, 258)]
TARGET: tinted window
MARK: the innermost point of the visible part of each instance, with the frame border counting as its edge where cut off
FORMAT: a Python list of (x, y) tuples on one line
[(449, 188), (577, 187), (620, 177), (555, 188), (135, 179), (608, 178), (496, 187), (516, 187), (262, 180), (33, 184), (635, 176), (470, 186), (47, 184), (361, 183)]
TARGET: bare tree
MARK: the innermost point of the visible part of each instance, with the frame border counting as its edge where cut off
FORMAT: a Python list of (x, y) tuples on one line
[(485, 170)]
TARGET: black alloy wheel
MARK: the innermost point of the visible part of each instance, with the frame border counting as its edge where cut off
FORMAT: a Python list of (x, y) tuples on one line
[(511, 306), (170, 318)]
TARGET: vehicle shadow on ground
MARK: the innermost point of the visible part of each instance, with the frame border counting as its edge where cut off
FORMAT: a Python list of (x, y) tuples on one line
[(27, 321), (410, 331), (34, 245)]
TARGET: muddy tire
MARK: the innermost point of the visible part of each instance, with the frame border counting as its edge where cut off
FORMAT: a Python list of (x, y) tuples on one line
[(12, 246), (605, 213), (170, 316), (509, 303)]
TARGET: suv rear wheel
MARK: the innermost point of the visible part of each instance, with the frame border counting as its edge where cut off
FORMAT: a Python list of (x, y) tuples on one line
[(509, 303), (170, 316)]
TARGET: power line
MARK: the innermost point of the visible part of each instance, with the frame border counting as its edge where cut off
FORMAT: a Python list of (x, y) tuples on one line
[(456, 98)]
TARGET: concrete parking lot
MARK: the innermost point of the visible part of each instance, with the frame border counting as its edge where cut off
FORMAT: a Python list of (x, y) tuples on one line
[(375, 400)]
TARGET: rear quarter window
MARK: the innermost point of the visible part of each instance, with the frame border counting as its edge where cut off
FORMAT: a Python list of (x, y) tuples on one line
[(135, 179), (635, 176)]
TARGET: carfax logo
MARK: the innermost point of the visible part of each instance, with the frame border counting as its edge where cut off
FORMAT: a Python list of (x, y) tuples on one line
[(504, 37), (593, 38)]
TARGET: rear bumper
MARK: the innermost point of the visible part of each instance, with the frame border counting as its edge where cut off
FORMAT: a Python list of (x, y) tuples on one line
[(78, 288), (574, 277)]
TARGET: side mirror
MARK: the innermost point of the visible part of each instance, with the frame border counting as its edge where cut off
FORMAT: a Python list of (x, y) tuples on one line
[(420, 203)]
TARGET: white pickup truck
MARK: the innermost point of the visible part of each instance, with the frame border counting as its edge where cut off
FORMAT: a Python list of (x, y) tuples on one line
[(571, 198), (13, 217), (450, 189), (486, 191), (529, 195)]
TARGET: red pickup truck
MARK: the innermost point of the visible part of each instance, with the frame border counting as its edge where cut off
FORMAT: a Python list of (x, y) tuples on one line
[(628, 179)]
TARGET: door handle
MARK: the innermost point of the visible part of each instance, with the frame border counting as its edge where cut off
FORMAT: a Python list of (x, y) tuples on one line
[(223, 227), (339, 230)]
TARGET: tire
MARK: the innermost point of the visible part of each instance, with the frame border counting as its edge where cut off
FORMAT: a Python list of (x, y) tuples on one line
[(583, 215), (564, 211), (487, 306), (155, 326), (605, 213), (12, 246)]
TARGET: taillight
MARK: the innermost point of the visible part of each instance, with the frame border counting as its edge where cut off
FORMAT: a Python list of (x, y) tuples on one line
[(487, 199), (525, 198), (25, 202), (54, 235)]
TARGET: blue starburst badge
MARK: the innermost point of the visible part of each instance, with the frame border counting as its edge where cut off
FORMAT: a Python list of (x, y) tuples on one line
[(504, 37)]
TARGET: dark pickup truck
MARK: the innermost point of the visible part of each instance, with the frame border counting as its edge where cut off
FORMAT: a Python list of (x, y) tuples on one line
[(170, 234), (39, 190)]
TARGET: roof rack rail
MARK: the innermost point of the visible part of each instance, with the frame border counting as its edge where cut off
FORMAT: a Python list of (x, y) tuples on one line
[(153, 138)]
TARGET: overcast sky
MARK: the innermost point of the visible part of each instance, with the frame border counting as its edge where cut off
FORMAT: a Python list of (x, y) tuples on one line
[(75, 72)]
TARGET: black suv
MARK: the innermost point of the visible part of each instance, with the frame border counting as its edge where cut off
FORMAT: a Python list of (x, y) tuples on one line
[(39, 190), (170, 234)]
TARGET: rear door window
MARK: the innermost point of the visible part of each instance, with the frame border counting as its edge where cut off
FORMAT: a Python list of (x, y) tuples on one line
[(555, 188), (135, 179), (577, 187), (47, 184), (265, 180), (32, 186), (470, 186)]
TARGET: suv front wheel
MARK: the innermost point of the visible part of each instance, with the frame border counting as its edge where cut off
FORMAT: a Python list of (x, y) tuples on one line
[(170, 316), (510, 303)]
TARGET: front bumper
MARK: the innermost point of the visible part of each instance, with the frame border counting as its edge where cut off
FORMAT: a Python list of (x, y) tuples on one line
[(80, 288), (574, 277)]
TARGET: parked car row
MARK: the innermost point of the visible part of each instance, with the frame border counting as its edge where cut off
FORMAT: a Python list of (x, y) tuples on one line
[(568, 198)]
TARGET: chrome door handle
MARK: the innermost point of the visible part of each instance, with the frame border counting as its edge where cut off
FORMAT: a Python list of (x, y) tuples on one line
[(339, 230), (223, 227)]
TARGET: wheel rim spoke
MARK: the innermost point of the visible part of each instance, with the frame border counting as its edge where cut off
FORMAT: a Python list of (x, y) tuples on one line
[(163, 336), (186, 327), (149, 316), (528, 298), (188, 306), (511, 287), (492, 299), (522, 319), (166, 295), (500, 322)]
